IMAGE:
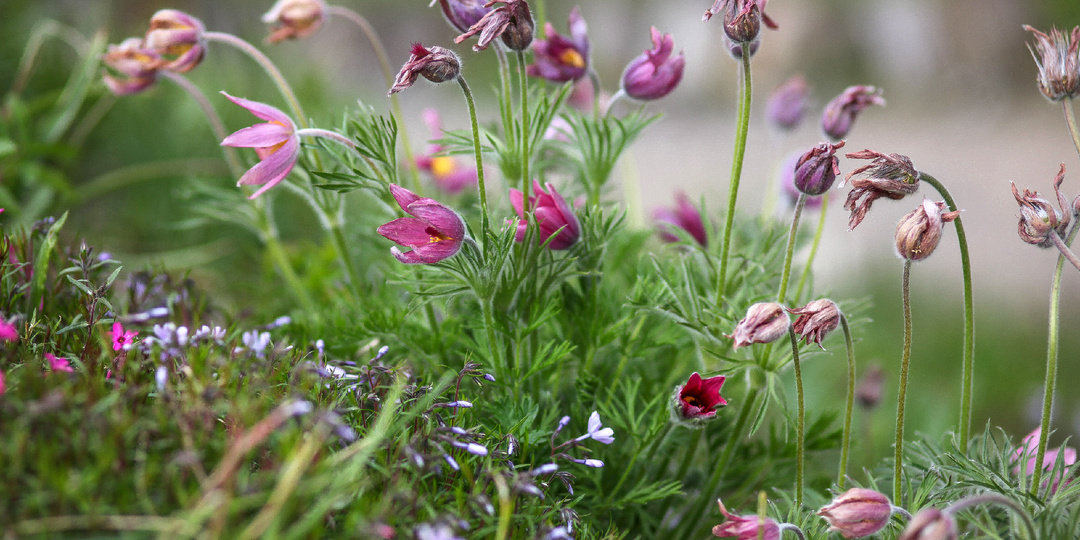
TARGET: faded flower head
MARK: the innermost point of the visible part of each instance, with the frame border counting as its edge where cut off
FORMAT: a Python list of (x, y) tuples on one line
[(787, 103), (449, 174), (816, 170), (696, 401), (857, 512), (275, 142), (462, 14), (1028, 451), (684, 216), (841, 112), (930, 524), (749, 527), (815, 320), (918, 233), (511, 21), (558, 58), (293, 19), (655, 73), (555, 217), (1038, 217), (1058, 60), (888, 175), (435, 232), (177, 38), (435, 64), (129, 68), (765, 322)]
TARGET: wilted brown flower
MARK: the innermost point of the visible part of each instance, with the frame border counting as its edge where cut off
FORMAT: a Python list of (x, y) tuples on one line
[(816, 320), (511, 21), (888, 175), (1059, 62), (1038, 217), (765, 322), (435, 64), (918, 233)]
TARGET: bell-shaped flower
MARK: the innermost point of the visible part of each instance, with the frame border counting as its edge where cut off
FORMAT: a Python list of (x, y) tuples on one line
[(178, 38), (656, 72), (555, 217), (558, 58), (435, 232), (275, 141), (129, 68), (841, 112), (435, 64), (765, 322), (889, 175), (815, 320), (1038, 217), (816, 170), (512, 21), (857, 512), (684, 216), (449, 174), (294, 19), (749, 527), (1058, 60), (697, 400), (918, 233)]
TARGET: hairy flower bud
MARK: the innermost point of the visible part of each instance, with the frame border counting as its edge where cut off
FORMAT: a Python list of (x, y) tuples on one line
[(1058, 60), (435, 64), (696, 401), (816, 320), (765, 322), (656, 72), (918, 233), (293, 19), (1038, 217), (816, 170), (787, 103), (750, 527), (178, 38), (930, 524), (857, 512), (841, 112)]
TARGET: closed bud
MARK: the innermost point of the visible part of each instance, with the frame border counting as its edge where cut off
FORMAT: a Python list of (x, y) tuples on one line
[(129, 68), (656, 72), (816, 170), (1038, 217), (857, 512), (292, 19), (930, 524), (765, 322), (742, 26), (918, 233), (787, 103), (841, 112)]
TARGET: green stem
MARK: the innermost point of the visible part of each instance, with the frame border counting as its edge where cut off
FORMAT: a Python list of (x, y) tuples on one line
[(525, 132), (1070, 119), (489, 326), (342, 247), (785, 276), (969, 312), (898, 461), (281, 260), (216, 125), (742, 127), (800, 441), (813, 247), (268, 67), (479, 163), (846, 444), (1064, 249)]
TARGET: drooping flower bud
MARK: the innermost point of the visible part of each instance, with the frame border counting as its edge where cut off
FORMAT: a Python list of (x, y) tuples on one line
[(462, 14), (857, 512), (558, 224), (435, 64), (696, 401), (656, 72), (815, 320), (1058, 60), (512, 21), (129, 68), (1038, 217), (765, 322), (816, 170), (178, 38), (841, 112), (787, 103), (930, 524), (888, 175), (749, 527), (684, 216), (293, 19), (918, 233)]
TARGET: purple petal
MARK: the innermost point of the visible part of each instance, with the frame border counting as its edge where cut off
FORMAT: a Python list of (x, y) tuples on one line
[(259, 136), (409, 257), (579, 31), (262, 110), (445, 220), (403, 196), (517, 200), (437, 251), (406, 231)]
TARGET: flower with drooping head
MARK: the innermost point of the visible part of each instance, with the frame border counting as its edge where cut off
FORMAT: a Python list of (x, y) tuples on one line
[(558, 58), (449, 175), (597, 431), (554, 216), (816, 170), (1058, 60), (696, 401), (684, 216), (918, 233), (841, 112), (435, 232), (815, 320), (749, 527), (293, 19), (787, 103), (462, 14), (930, 524), (857, 512), (655, 73), (1038, 217), (436, 64), (120, 338), (888, 175), (129, 68), (1027, 453), (58, 364), (512, 21), (786, 178), (8, 332), (275, 141), (765, 322), (177, 38)]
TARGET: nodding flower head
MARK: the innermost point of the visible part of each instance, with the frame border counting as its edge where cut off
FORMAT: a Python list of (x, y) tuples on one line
[(742, 18), (462, 14), (765, 322), (294, 19), (815, 320), (275, 141), (816, 170), (435, 232), (129, 67), (1038, 217), (931, 524), (656, 72), (841, 112), (558, 224), (888, 175), (918, 233), (435, 64), (787, 103), (684, 216), (857, 512), (1058, 60), (749, 527), (512, 22), (558, 58), (178, 38)]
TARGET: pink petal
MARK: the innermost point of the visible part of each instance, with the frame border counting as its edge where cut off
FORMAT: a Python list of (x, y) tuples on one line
[(437, 251), (262, 110), (517, 200), (274, 168), (445, 220), (403, 196), (406, 231), (259, 136)]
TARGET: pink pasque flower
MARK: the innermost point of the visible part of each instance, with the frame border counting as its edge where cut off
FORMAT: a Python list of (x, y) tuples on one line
[(58, 364), (435, 232), (561, 59), (656, 72), (552, 213), (177, 38), (120, 338), (698, 399), (276, 142), (447, 171), (1028, 451), (684, 216), (746, 527), (129, 68)]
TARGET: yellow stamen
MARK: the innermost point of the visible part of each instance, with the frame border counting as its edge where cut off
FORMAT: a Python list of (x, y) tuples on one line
[(572, 58), (443, 166)]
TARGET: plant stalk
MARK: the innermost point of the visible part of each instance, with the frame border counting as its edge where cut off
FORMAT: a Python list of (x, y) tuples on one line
[(800, 440), (786, 275), (479, 165), (898, 462), (813, 248), (845, 446), (742, 127)]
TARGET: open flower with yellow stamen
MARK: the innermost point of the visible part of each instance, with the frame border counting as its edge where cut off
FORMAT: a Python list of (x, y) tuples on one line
[(561, 59), (435, 232)]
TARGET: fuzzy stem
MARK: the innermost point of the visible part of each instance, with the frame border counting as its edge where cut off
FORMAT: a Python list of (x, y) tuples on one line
[(898, 461), (212, 116), (785, 276), (489, 326), (969, 312), (525, 132), (268, 67), (846, 444), (993, 498), (1070, 119), (742, 127), (813, 247), (800, 440), (1064, 249), (479, 163)]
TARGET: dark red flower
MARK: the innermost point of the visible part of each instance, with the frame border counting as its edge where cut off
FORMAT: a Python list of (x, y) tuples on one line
[(435, 64), (698, 399)]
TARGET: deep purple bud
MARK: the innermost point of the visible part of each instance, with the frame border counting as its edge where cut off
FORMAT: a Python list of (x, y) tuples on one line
[(656, 72), (816, 170), (841, 112), (787, 103), (462, 14)]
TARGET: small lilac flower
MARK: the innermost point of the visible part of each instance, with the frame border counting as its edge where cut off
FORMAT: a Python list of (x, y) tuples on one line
[(931, 524), (656, 72), (684, 216), (918, 233), (841, 112), (857, 512), (462, 14), (765, 322), (8, 332), (787, 103), (511, 21), (58, 364), (888, 175), (552, 213), (562, 423), (698, 399), (256, 342), (435, 64), (129, 68), (815, 320), (1038, 217), (275, 141), (452, 462), (120, 338), (749, 527), (1057, 57), (597, 431), (816, 170), (435, 232), (561, 59), (294, 19), (448, 173), (594, 463), (161, 376), (177, 38), (472, 448)]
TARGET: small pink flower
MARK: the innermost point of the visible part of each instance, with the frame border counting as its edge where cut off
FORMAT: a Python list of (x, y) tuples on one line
[(120, 338), (656, 72), (698, 398), (684, 216), (435, 232), (446, 170), (275, 141), (561, 59), (552, 213), (58, 364), (8, 332)]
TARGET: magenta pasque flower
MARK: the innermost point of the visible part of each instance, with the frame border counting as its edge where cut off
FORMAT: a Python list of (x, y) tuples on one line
[(448, 173), (275, 141), (561, 59), (684, 216), (8, 332), (129, 68), (435, 64), (294, 19), (435, 232), (698, 399), (462, 14), (512, 21), (656, 72), (121, 339), (787, 103), (178, 38), (765, 322), (841, 112), (857, 512), (746, 527), (558, 224)]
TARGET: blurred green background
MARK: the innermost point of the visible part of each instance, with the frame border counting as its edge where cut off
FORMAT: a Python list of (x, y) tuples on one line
[(962, 103)]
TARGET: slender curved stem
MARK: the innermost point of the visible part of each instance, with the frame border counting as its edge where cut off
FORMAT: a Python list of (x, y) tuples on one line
[(742, 127), (1070, 119), (525, 131), (1065, 251), (969, 312), (845, 446), (479, 163), (800, 440), (785, 276), (813, 248), (268, 67), (898, 464), (993, 498), (41, 31), (216, 125)]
